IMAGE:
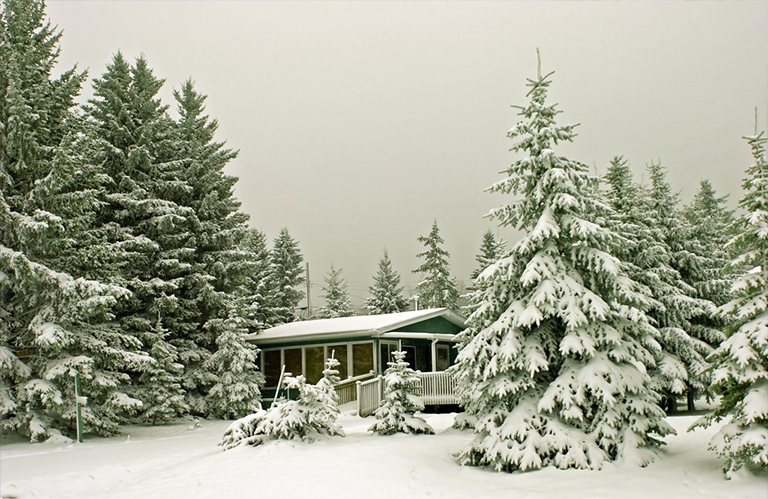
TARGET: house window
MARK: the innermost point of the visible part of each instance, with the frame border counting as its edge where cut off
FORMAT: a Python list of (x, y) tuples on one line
[(272, 367), (362, 358), (443, 357), (386, 353), (293, 361), (314, 363)]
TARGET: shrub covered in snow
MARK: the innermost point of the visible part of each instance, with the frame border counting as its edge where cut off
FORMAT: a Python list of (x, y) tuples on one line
[(313, 414), (396, 413)]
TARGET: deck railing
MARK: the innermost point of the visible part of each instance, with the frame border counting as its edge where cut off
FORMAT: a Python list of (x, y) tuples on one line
[(437, 388), (369, 395), (347, 389)]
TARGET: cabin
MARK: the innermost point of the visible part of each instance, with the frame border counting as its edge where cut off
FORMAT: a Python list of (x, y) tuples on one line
[(363, 345)]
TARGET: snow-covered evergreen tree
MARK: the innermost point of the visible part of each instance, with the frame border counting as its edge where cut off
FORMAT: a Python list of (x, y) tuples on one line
[(397, 411), (491, 250), (312, 415), (386, 291), (217, 267), (254, 297), (553, 366), (139, 156), (437, 288), (55, 319), (741, 362), (710, 223), (236, 392), (336, 295), (637, 216), (682, 368), (287, 274)]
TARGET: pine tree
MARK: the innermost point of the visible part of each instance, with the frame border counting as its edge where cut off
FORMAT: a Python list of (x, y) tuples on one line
[(254, 296), (741, 362), (139, 156), (401, 402), (236, 392), (437, 288), (637, 216), (386, 292), (286, 275), (710, 222), (490, 251), (682, 366), (217, 267), (54, 314), (553, 364), (336, 295)]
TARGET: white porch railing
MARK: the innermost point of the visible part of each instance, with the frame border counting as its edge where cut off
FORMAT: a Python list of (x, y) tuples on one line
[(369, 395), (347, 389), (437, 388)]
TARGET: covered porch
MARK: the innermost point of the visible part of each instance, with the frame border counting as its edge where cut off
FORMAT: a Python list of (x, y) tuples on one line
[(366, 394)]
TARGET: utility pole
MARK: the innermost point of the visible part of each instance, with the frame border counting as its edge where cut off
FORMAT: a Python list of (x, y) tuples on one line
[(309, 296)]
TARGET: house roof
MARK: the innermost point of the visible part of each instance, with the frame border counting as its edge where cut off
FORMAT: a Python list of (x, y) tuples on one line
[(344, 327)]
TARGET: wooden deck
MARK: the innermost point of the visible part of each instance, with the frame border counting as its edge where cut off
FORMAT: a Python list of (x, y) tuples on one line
[(436, 388)]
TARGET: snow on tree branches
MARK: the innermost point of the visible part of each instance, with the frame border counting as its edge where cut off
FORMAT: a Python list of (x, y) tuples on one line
[(741, 362), (313, 414), (554, 364), (401, 402)]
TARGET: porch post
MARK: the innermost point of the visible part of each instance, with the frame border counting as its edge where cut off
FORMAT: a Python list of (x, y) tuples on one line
[(434, 354)]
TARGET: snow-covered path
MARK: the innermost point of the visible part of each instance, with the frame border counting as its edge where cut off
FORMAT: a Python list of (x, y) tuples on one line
[(175, 461)]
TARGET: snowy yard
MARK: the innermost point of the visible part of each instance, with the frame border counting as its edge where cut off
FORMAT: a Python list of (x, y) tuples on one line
[(177, 461)]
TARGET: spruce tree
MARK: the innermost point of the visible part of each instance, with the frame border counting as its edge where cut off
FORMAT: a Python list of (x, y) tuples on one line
[(710, 222), (236, 392), (386, 291), (54, 313), (741, 362), (553, 364), (437, 288), (637, 214), (139, 156), (254, 297), (491, 250), (401, 402), (682, 366), (217, 267), (336, 295), (286, 275)]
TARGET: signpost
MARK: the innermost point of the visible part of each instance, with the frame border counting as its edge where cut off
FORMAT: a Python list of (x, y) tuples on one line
[(79, 402)]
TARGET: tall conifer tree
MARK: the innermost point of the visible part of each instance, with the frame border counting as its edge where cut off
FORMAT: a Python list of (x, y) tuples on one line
[(286, 274), (50, 312), (437, 288), (336, 294), (741, 362), (254, 295), (553, 364), (682, 368), (491, 250), (138, 153), (386, 291)]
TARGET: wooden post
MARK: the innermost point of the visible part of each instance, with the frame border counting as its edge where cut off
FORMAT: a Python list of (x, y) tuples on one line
[(79, 400), (309, 295), (359, 390)]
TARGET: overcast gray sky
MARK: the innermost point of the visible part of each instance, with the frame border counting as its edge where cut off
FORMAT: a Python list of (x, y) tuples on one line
[(359, 123)]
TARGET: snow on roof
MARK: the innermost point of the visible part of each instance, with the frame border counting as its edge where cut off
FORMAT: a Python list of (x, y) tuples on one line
[(344, 326)]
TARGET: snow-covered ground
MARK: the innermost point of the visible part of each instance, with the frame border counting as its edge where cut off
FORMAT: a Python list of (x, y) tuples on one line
[(179, 461)]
